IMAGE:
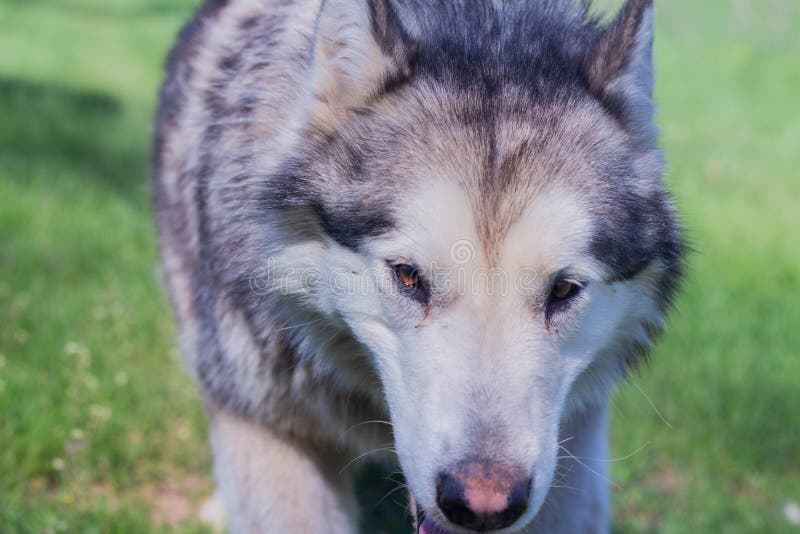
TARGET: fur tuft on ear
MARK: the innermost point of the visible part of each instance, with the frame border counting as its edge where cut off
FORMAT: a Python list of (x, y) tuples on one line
[(359, 44), (619, 67)]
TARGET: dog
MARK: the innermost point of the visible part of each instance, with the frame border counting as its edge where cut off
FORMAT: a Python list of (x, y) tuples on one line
[(431, 228)]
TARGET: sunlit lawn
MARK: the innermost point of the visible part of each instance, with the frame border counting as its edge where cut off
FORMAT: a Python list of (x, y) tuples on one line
[(100, 428)]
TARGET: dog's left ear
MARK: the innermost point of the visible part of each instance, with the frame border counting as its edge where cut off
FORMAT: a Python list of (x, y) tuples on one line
[(619, 66)]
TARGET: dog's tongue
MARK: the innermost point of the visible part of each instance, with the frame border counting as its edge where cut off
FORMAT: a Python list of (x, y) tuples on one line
[(429, 527)]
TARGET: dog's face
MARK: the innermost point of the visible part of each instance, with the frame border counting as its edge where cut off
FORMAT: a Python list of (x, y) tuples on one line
[(491, 313), (503, 255)]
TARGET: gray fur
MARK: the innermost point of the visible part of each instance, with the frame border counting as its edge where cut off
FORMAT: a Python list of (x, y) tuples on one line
[(256, 151)]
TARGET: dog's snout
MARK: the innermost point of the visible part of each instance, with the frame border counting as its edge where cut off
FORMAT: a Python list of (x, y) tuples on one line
[(483, 495)]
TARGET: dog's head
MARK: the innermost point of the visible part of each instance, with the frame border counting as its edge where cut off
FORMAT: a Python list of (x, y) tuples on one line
[(496, 231)]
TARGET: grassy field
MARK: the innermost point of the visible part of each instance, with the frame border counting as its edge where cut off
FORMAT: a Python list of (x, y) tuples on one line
[(101, 430)]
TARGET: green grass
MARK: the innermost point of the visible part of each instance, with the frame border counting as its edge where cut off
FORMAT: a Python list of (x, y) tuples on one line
[(98, 422)]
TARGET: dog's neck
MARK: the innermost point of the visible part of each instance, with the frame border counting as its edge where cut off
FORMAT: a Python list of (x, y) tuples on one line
[(579, 498)]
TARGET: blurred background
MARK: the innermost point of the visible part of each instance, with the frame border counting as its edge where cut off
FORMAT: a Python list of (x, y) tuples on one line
[(100, 428)]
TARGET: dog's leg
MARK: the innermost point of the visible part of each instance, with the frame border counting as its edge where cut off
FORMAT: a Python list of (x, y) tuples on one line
[(269, 484)]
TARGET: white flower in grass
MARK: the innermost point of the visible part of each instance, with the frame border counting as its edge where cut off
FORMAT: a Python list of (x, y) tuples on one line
[(73, 347), (791, 510), (184, 432), (81, 351), (21, 336), (91, 382), (59, 464), (99, 313), (121, 378), (99, 412)]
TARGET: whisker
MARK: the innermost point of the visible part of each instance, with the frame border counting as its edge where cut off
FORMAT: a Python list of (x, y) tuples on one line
[(652, 405), (391, 492), (637, 451), (367, 453), (343, 435), (586, 466), (565, 440), (579, 490), (291, 327), (362, 423)]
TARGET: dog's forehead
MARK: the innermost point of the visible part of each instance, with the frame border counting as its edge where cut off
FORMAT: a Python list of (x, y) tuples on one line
[(552, 230), (512, 186)]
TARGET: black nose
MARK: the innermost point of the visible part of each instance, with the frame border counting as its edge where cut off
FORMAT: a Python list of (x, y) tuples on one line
[(483, 496)]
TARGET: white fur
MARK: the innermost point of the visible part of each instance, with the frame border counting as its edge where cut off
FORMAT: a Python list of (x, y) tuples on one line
[(481, 370), (270, 485), (486, 354)]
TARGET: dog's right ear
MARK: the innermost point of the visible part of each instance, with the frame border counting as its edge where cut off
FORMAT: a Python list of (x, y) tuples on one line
[(359, 45), (619, 67)]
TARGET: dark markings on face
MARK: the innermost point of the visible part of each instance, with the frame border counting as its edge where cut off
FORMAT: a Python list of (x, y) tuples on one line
[(348, 182), (348, 211), (350, 224), (634, 231), (475, 52)]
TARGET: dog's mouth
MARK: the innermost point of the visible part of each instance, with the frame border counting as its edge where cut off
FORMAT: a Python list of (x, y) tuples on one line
[(426, 525), (429, 527)]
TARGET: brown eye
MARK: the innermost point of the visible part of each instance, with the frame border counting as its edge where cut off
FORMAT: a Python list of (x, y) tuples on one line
[(407, 275), (410, 282), (564, 289)]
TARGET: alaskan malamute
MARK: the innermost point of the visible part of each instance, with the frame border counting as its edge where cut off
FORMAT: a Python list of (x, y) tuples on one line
[(436, 228)]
